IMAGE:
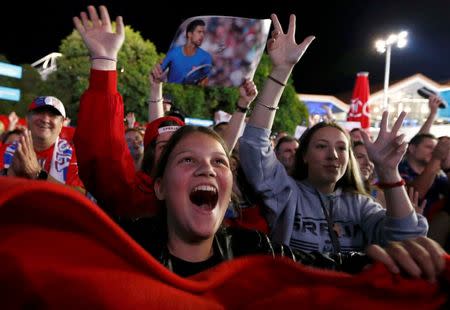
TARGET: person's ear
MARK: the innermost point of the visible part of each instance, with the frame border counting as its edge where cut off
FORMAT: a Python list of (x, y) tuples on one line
[(159, 189), (411, 149)]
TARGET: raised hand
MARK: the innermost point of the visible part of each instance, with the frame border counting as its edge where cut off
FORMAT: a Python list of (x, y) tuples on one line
[(247, 93), (13, 120), (329, 114), (131, 119), (25, 163), (282, 48), (156, 76), (434, 101), (387, 150), (97, 32), (313, 119)]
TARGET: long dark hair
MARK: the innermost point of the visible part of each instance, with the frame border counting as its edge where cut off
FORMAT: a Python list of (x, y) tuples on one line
[(350, 181)]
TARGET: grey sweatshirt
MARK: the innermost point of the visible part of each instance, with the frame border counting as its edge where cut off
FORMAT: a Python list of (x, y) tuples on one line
[(295, 213)]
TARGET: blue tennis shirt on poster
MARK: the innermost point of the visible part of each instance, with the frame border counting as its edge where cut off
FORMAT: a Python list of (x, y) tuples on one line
[(180, 64)]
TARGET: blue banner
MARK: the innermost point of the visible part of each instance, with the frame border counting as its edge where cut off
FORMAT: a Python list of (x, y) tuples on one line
[(10, 70), (9, 93), (198, 122), (445, 113)]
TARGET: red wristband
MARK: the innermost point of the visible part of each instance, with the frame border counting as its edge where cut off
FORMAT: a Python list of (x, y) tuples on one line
[(391, 185)]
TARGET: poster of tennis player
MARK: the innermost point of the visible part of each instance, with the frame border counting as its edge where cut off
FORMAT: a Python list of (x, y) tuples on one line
[(216, 50)]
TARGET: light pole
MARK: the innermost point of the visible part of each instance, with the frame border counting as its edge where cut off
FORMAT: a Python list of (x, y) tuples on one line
[(385, 46)]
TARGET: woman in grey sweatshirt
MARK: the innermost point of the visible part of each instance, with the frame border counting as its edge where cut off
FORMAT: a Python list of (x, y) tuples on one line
[(323, 207)]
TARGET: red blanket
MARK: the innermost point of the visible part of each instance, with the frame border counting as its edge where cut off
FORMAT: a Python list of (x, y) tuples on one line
[(58, 250)]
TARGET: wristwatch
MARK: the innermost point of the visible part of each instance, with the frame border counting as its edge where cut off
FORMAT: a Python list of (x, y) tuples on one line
[(42, 175)]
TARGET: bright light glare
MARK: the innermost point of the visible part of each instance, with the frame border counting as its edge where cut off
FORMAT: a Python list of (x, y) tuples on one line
[(403, 35), (380, 46), (399, 39), (392, 39), (401, 43)]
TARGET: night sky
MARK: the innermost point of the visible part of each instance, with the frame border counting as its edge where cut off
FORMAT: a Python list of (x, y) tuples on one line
[(345, 33)]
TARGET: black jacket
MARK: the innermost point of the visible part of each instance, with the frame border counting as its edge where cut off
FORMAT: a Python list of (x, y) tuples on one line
[(231, 242)]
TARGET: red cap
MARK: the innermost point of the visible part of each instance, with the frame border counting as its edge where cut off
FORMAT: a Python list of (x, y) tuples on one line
[(153, 129)]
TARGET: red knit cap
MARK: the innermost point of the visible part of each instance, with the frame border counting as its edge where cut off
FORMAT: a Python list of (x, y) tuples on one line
[(152, 131)]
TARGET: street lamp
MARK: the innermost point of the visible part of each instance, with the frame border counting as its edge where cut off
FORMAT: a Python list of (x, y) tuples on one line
[(385, 46)]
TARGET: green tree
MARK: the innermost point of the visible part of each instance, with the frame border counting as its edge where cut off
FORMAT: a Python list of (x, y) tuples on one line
[(135, 61)]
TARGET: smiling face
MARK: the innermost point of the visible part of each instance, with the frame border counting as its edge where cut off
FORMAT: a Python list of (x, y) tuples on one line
[(365, 165), (327, 157), (45, 125), (196, 187)]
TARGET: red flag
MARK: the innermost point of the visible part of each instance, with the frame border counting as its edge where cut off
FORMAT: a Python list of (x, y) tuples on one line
[(359, 109)]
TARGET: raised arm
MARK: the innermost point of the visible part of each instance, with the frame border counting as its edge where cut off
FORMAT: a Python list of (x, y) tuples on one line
[(433, 103), (386, 153), (103, 44), (284, 53), (247, 93), (131, 119), (105, 163), (13, 120), (155, 103)]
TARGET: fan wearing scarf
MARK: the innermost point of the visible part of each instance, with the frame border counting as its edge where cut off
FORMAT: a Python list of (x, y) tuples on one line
[(40, 153)]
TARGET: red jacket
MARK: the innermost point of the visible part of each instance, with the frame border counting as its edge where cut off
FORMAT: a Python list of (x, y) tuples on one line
[(105, 163), (58, 250)]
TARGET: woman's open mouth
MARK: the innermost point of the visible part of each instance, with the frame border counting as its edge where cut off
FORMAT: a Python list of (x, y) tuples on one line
[(204, 196)]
